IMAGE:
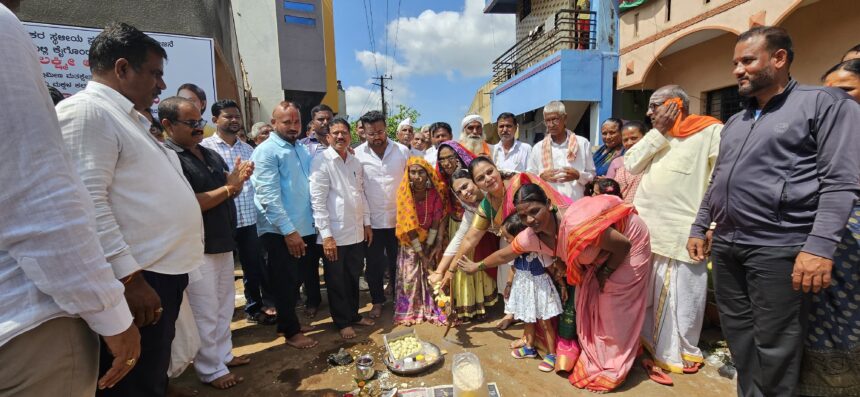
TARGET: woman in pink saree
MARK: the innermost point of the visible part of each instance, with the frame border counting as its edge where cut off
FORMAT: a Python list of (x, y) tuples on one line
[(606, 248)]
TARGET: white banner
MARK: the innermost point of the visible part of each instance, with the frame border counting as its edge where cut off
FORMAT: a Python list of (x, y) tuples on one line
[(64, 50)]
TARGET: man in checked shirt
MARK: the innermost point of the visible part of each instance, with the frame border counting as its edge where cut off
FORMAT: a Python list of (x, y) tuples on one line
[(228, 120)]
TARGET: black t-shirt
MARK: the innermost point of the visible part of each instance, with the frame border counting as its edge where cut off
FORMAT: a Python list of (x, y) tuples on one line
[(219, 222)]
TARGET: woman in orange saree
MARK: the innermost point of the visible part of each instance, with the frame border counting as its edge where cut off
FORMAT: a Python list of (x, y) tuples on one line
[(606, 248)]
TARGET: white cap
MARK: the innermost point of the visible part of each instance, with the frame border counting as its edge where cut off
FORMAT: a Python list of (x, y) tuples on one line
[(405, 122), (470, 118)]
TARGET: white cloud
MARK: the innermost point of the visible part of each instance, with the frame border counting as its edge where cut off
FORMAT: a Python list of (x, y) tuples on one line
[(444, 42), (433, 43), (359, 100)]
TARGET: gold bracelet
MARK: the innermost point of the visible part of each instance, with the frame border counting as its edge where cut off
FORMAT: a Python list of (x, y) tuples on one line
[(229, 194)]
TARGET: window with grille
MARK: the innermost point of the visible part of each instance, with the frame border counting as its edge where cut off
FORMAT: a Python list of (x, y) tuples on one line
[(723, 103)]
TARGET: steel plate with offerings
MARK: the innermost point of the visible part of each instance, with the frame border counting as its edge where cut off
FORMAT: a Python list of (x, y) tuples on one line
[(408, 354)]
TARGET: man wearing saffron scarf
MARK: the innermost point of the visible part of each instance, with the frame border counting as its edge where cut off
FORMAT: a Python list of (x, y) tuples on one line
[(675, 160), (472, 135), (562, 158)]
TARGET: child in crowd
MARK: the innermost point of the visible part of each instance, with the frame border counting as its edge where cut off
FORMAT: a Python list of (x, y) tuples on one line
[(632, 132), (606, 186), (421, 205), (532, 297)]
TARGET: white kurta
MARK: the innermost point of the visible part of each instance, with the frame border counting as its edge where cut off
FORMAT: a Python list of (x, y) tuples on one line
[(584, 163)]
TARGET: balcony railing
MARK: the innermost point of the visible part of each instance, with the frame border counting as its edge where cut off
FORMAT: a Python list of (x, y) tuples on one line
[(566, 30)]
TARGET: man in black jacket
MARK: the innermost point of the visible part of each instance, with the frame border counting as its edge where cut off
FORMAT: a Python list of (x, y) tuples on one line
[(784, 184)]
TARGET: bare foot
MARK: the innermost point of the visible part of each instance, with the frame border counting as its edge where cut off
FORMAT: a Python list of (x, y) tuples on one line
[(407, 323), (347, 333), (364, 322), (180, 391), (375, 311), (226, 381), (307, 328), (239, 361), (506, 322), (300, 341), (518, 343), (270, 311), (311, 312)]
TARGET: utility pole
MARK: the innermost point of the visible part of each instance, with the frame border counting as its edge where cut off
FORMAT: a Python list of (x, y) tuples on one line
[(382, 89)]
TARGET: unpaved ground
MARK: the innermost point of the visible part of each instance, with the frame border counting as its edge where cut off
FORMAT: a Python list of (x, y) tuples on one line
[(278, 370)]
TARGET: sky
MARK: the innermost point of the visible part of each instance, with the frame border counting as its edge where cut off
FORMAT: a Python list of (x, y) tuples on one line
[(438, 53)]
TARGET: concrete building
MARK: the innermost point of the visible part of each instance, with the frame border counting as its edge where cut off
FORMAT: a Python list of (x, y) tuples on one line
[(691, 43), (201, 18), (566, 50), (288, 53)]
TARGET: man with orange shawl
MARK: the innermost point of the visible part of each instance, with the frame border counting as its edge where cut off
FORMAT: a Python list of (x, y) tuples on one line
[(675, 160)]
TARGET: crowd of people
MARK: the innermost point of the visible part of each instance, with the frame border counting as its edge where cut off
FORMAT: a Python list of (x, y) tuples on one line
[(602, 253)]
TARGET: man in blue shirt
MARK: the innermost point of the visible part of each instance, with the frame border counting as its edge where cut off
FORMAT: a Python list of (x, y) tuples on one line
[(285, 220)]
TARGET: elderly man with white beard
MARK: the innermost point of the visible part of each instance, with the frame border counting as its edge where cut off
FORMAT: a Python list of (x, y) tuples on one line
[(472, 135)]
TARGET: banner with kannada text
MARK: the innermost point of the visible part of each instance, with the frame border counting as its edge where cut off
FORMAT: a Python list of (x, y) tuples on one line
[(64, 50)]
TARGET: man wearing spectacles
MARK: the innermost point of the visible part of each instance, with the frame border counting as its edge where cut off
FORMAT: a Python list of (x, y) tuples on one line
[(228, 120), (212, 297)]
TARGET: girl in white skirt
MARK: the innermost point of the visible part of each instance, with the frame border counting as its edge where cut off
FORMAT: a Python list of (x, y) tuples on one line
[(532, 296)]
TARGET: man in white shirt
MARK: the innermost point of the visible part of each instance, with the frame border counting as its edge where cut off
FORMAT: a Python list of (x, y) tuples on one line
[(341, 216), (56, 290), (562, 158), (510, 153), (676, 166), (383, 162), (440, 131), (148, 220)]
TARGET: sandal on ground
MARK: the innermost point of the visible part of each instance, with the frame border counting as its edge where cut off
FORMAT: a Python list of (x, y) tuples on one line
[(262, 318), (548, 363), (692, 370), (524, 352), (655, 373)]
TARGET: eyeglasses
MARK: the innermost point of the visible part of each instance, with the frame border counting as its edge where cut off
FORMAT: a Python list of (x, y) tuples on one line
[(552, 120), (196, 124)]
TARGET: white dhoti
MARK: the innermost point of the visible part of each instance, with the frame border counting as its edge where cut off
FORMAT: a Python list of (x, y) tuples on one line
[(186, 342), (213, 299), (675, 311)]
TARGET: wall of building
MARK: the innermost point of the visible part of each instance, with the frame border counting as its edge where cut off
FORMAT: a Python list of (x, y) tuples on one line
[(257, 33), (331, 96), (700, 68), (821, 31), (202, 18), (541, 10)]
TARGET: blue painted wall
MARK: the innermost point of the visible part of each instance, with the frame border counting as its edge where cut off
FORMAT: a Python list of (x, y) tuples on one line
[(569, 75)]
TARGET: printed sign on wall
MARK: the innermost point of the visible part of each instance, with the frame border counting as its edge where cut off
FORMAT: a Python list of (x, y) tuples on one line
[(64, 50)]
